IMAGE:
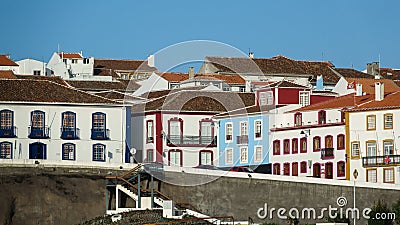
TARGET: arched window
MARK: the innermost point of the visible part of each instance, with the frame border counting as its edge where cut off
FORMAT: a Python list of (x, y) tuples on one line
[(99, 131), (99, 152), (7, 128), (5, 150), (68, 151)]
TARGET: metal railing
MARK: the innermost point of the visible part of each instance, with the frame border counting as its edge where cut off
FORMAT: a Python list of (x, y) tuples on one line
[(191, 140), (242, 139), (38, 132), (100, 134), (8, 132), (70, 133), (387, 160)]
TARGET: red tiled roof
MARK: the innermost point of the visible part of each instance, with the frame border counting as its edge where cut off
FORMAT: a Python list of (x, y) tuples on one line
[(390, 73), (103, 85), (228, 78), (368, 85), (341, 102), (24, 90), (274, 65), (174, 77), (55, 79), (117, 95), (7, 74), (285, 83), (107, 67), (5, 61), (70, 55), (352, 73), (390, 101)]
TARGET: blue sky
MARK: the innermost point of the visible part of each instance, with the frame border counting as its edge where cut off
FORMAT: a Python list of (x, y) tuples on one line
[(342, 31)]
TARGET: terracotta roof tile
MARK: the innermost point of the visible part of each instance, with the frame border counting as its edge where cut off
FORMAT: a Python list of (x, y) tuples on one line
[(368, 85), (390, 73), (5, 61), (24, 90), (161, 93), (108, 67), (115, 95), (103, 85), (174, 77), (228, 78), (390, 101), (70, 55), (352, 73), (7, 74), (341, 102), (55, 79)]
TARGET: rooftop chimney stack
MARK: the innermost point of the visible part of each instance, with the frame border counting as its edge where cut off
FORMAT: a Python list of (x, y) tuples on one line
[(251, 55), (359, 91), (191, 72), (150, 60), (379, 91), (373, 69)]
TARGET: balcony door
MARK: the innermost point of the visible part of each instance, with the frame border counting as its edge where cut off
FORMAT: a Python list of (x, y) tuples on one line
[(175, 131), (316, 170), (206, 132), (37, 150), (175, 158)]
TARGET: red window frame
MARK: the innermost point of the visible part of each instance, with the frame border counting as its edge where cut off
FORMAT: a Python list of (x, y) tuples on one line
[(212, 156), (276, 147), (286, 146), (276, 169), (303, 167), (322, 117), (295, 146), (327, 137), (181, 157), (326, 170), (207, 120), (343, 173), (314, 140), (295, 169), (296, 115), (302, 148), (286, 169), (147, 131), (344, 142)]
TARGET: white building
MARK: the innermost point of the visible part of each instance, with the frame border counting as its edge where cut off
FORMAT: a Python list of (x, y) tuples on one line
[(7, 64), (373, 138), (46, 123), (33, 67)]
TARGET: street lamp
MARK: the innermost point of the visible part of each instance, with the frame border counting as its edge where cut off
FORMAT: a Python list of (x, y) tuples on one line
[(355, 175)]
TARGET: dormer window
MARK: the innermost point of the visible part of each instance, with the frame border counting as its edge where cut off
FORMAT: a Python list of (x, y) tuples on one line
[(322, 117)]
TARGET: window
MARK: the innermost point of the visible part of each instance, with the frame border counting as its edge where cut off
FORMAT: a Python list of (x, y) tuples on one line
[(206, 157), (229, 156), (341, 169), (388, 175), (329, 141), (295, 169), (7, 128), (371, 148), (371, 175), (175, 130), (388, 147), (304, 98), (228, 132), (355, 149), (74, 61), (286, 169), (68, 121), (295, 146), (303, 167), (149, 155), (68, 151), (322, 117), (85, 61), (371, 122), (303, 145), (99, 152), (276, 147), (175, 157), (316, 144), (243, 128), (206, 131), (340, 142), (266, 98), (243, 155), (5, 150), (65, 61), (257, 129), (37, 128), (329, 170), (258, 154), (36, 72), (149, 131), (277, 169), (286, 146), (297, 119), (388, 121), (99, 131)]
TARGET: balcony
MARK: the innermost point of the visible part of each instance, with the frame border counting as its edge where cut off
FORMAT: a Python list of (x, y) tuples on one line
[(38, 132), (242, 139), (8, 132), (387, 160), (187, 140), (68, 133), (327, 153), (100, 134)]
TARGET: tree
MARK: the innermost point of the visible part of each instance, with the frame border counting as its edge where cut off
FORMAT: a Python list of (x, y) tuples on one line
[(396, 210), (380, 210)]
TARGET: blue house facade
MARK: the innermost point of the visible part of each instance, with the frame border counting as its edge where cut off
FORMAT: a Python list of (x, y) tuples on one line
[(243, 140)]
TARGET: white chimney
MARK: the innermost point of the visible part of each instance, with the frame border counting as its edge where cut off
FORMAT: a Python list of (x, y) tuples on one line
[(150, 60), (191, 72), (379, 91), (251, 55), (359, 90)]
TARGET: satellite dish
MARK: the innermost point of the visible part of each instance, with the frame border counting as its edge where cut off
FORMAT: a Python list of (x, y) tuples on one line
[(133, 151)]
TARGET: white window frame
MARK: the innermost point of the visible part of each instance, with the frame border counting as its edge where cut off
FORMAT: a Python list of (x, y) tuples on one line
[(371, 148), (353, 149), (229, 157), (226, 132), (255, 129), (304, 98), (388, 175), (370, 172), (388, 147), (258, 153), (244, 130), (266, 98), (244, 155)]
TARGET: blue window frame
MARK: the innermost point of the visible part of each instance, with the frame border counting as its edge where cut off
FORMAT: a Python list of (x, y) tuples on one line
[(7, 128), (38, 128), (99, 152), (68, 151), (99, 131), (5, 150), (68, 126), (37, 150)]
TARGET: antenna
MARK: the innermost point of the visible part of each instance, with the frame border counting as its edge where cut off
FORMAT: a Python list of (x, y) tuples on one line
[(379, 65), (322, 56), (58, 47)]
